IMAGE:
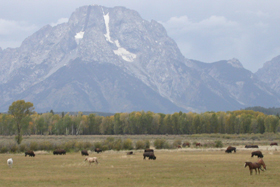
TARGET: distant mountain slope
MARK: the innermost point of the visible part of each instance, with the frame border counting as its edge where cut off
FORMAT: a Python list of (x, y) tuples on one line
[(111, 60), (269, 73)]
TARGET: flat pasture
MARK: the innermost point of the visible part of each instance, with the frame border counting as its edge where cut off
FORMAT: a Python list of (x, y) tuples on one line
[(176, 167)]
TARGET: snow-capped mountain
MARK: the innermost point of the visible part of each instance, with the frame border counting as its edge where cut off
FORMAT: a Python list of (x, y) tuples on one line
[(112, 60)]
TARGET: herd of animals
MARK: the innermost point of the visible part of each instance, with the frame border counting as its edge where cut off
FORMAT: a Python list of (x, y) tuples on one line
[(256, 165), (149, 153)]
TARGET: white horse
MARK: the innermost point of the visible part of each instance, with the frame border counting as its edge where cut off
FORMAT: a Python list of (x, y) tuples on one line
[(91, 159), (10, 162)]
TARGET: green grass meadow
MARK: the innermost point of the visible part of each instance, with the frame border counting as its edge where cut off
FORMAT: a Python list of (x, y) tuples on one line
[(179, 167)]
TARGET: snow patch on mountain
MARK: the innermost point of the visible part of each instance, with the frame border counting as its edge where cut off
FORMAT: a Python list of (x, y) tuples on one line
[(79, 36), (122, 52), (107, 35)]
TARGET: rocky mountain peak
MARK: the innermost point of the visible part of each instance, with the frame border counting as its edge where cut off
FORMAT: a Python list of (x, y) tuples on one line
[(112, 60), (235, 63)]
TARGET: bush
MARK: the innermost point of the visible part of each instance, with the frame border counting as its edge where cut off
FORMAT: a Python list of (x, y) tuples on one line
[(99, 145), (33, 146), (161, 144), (176, 143), (46, 145), (69, 145), (79, 146), (118, 145), (87, 145), (147, 144), (22, 148), (218, 143), (140, 144), (4, 149), (14, 148), (127, 144)]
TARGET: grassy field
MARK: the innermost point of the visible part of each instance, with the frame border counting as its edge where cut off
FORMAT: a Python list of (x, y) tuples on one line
[(179, 167)]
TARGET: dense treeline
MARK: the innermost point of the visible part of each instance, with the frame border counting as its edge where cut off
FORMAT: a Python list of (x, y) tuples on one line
[(268, 111), (241, 121)]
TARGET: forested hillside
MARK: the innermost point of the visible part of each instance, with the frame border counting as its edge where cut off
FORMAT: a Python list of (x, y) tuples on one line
[(268, 111), (241, 121)]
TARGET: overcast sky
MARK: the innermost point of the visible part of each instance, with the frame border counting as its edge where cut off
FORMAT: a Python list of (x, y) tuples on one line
[(205, 30)]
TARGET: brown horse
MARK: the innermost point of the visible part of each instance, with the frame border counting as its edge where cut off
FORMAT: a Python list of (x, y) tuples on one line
[(198, 144), (252, 166), (261, 162)]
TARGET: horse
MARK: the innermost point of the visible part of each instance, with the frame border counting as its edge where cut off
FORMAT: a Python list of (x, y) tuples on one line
[(252, 166), (198, 144), (261, 162)]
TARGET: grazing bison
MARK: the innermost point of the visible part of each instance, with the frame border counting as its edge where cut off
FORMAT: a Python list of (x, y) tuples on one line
[(59, 152), (230, 149), (148, 150), (186, 144), (257, 153), (273, 143), (98, 150), (84, 152), (179, 146), (150, 155), (30, 153), (130, 153), (251, 146)]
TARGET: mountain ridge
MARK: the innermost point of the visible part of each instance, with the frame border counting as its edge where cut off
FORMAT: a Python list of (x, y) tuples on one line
[(117, 42)]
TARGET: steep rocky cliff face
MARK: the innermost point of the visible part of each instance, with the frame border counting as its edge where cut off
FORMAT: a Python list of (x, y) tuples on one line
[(111, 60), (270, 73)]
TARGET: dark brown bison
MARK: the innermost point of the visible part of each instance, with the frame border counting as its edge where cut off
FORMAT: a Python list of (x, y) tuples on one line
[(230, 149), (98, 150), (150, 155), (257, 153), (273, 143), (84, 152), (251, 146), (130, 153), (30, 153), (148, 150), (179, 146), (186, 144), (59, 152)]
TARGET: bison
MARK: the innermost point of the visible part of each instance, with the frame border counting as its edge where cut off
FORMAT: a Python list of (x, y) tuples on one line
[(98, 150), (59, 152), (30, 153), (148, 150), (257, 153), (251, 146), (130, 153), (230, 149), (273, 143), (186, 144), (84, 153), (150, 155)]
